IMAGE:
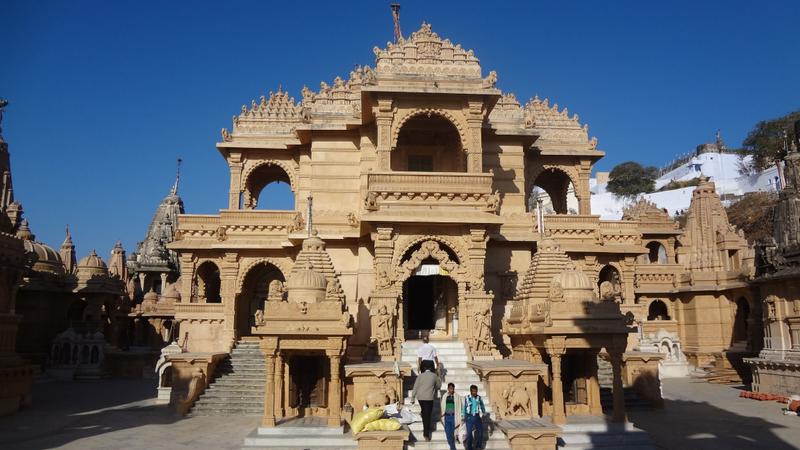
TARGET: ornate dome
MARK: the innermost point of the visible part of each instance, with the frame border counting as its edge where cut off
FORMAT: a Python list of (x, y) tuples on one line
[(46, 259), (150, 297), (172, 293), (306, 285), (574, 284), (92, 265)]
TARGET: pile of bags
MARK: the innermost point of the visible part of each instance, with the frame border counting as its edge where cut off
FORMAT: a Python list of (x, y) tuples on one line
[(372, 420)]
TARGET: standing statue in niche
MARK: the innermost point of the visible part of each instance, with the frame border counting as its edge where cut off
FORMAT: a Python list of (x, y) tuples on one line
[(383, 329), (440, 314), (483, 330)]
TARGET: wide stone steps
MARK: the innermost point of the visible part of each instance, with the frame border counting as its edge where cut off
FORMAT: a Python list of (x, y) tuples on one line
[(598, 434), (307, 437), (238, 384), (453, 358)]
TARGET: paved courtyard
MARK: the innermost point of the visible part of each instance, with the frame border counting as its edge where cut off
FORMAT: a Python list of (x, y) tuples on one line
[(121, 414)]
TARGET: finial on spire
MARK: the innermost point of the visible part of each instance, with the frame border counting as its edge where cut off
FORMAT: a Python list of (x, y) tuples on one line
[(398, 35), (309, 224), (177, 178), (67, 238)]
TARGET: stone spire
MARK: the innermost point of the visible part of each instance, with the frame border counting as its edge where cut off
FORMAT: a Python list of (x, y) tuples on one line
[(314, 257), (7, 222), (67, 253), (152, 254), (787, 212), (117, 267)]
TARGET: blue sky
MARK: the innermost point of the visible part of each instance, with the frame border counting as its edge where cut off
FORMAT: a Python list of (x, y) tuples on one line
[(106, 95)]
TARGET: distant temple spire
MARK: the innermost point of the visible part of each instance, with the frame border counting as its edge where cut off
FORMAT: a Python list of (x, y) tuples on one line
[(67, 253), (177, 178)]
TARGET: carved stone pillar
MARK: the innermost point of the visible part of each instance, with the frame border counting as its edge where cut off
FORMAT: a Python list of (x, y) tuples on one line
[(279, 412), (593, 387), (335, 391), (187, 274), (474, 113), (582, 190), (615, 356), (556, 347), (228, 274), (236, 166), (383, 122), (268, 347), (384, 294)]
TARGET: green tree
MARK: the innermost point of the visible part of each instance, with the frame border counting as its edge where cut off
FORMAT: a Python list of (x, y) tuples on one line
[(630, 178), (765, 143)]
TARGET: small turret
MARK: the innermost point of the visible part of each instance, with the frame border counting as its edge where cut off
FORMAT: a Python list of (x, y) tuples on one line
[(67, 253)]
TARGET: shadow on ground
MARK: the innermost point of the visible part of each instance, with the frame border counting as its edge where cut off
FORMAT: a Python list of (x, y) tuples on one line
[(63, 412), (692, 425)]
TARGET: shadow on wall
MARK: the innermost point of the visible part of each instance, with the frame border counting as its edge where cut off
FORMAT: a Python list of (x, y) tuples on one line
[(699, 426)]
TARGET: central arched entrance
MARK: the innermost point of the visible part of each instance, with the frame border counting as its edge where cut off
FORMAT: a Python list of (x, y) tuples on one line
[(430, 302), (430, 292), (264, 282)]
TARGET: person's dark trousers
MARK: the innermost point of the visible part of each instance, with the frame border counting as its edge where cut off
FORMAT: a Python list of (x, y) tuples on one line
[(427, 410), (474, 424), (450, 430)]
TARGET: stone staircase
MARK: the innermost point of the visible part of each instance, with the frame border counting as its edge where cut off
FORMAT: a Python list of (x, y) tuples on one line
[(587, 432), (605, 377), (453, 357), (238, 385), (310, 433)]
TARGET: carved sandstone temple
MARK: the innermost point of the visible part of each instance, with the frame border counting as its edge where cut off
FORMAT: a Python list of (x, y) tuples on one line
[(414, 187)]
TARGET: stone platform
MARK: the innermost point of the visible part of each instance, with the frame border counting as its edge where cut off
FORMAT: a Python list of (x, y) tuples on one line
[(300, 434)]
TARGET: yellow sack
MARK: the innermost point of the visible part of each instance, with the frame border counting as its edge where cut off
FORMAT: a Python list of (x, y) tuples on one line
[(364, 417), (382, 425)]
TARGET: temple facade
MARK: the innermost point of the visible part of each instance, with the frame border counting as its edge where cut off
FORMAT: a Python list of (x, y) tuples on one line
[(776, 370), (419, 190)]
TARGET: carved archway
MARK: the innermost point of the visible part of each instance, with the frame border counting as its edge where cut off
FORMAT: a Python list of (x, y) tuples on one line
[(282, 266), (457, 122), (406, 246), (428, 249), (252, 187), (537, 170)]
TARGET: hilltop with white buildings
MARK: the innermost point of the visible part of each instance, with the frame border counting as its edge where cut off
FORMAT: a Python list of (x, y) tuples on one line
[(712, 161)]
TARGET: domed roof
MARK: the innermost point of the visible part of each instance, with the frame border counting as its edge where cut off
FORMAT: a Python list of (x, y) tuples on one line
[(92, 266), (575, 285), (92, 261), (47, 259), (306, 284), (172, 292)]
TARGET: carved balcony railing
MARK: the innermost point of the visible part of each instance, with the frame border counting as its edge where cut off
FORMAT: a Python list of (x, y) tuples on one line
[(199, 310), (656, 277), (620, 232), (572, 227), (238, 223), (398, 190)]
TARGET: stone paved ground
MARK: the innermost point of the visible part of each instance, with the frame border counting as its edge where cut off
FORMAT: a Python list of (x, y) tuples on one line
[(113, 414), (120, 414), (698, 415)]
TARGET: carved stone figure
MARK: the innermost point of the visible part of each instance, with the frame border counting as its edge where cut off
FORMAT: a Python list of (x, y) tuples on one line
[(275, 291), (383, 332), (376, 398), (517, 402), (609, 290), (556, 292), (482, 330), (371, 201), (259, 317)]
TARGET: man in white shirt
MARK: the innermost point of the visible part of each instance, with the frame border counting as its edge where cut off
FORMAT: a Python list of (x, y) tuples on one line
[(427, 352)]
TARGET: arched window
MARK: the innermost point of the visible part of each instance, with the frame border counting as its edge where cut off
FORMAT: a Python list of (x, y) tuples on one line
[(556, 192), (657, 311), (268, 187), (207, 284), (657, 254), (264, 282), (428, 143)]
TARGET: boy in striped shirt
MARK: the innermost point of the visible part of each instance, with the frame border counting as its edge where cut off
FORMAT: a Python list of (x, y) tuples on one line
[(473, 410)]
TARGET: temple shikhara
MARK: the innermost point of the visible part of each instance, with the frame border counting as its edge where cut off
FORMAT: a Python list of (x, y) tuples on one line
[(426, 201)]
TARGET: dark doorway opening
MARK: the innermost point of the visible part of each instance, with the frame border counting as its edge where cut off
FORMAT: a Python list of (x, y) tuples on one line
[(308, 387), (419, 302)]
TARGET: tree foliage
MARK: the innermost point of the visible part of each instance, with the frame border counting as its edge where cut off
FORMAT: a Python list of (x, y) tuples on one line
[(630, 178), (765, 143), (753, 213)]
